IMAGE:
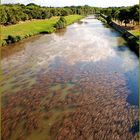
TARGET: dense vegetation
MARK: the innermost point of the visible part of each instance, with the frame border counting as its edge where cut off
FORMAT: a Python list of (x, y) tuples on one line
[(61, 23), (128, 16), (123, 14), (13, 13), (17, 13)]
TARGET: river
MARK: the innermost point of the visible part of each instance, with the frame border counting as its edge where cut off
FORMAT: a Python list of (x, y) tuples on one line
[(78, 83)]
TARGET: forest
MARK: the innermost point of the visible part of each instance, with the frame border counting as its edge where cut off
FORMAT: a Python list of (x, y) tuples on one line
[(13, 13)]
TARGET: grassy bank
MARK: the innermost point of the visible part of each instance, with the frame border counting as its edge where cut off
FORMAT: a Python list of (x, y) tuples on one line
[(135, 32), (30, 28), (131, 38)]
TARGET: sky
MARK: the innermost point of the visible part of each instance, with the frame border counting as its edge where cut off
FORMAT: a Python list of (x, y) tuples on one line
[(61, 3)]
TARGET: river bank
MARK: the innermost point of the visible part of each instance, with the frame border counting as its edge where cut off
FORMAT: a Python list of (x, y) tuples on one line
[(131, 39), (26, 29)]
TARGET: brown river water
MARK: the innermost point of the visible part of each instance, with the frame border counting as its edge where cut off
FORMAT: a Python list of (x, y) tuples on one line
[(80, 83)]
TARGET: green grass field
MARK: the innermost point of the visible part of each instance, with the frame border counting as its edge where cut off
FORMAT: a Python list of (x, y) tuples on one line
[(34, 27), (136, 32)]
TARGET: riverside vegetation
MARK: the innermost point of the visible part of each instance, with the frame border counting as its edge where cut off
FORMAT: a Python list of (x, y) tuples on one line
[(14, 33), (126, 21), (31, 19), (128, 17), (131, 39)]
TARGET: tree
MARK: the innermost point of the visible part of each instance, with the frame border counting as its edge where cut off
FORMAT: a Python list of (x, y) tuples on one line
[(3, 15), (124, 16), (64, 12), (134, 13), (116, 14), (108, 19)]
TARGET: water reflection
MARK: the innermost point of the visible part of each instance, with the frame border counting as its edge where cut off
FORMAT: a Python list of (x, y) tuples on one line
[(135, 128), (61, 32)]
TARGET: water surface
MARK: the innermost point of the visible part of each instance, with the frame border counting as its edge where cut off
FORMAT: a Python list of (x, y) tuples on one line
[(80, 82)]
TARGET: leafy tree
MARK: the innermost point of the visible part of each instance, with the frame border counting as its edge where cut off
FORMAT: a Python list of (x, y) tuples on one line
[(116, 14), (3, 15), (134, 13), (124, 16), (108, 19)]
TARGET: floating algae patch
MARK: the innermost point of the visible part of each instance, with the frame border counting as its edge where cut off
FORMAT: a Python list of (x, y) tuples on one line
[(14, 87), (19, 133), (63, 88), (49, 119), (66, 90), (56, 87)]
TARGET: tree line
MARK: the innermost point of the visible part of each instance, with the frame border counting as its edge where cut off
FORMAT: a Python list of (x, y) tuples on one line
[(13, 13), (125, 15)]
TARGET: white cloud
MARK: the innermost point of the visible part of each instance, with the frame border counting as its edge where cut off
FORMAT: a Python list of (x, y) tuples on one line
[(98, 3)]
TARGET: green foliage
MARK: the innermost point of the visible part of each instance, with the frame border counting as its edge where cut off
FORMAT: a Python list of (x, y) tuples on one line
[(12, 39), (108, 19), (116, 14), (102, 19), (3, 16), (13, 13), (123, 14), (136, 32), (61, 23), (33, 27), (65, 12), (134, 13)]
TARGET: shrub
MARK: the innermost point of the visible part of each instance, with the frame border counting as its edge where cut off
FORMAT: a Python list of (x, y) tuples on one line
[(108, 19), (102, 19), (61, 23), (3, 43), (17, 38), (11, 39)]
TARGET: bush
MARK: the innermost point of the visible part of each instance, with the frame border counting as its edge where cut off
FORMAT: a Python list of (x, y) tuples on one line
[(61, 23), (108, 19), (11, 39), (3, 43), (102, 19), (124, 34)]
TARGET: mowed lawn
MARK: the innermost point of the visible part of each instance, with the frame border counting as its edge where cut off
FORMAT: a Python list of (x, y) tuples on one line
[(136, 32), (29, 28)]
